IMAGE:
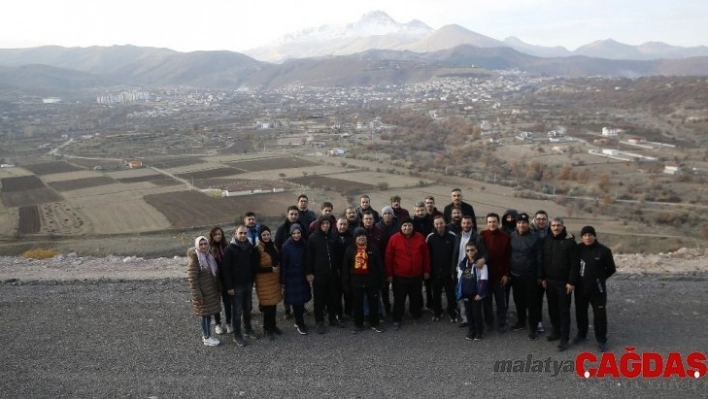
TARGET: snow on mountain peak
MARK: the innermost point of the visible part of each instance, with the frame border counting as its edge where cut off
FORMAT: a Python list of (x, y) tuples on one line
[(375, 23)]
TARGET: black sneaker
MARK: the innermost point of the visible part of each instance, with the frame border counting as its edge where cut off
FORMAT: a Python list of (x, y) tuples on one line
[(478, 337), (563, 346), (533, 336), (302, 330), (518, 327), (239, 340), (396, 325), (277, 331), (269, 335), (578, 339), (602, 346), (377, 329), (553, 337), (250, 334), (470, 336), (321, 328)]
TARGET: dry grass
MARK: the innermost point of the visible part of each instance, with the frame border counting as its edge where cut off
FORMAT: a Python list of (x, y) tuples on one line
[(39, 253)]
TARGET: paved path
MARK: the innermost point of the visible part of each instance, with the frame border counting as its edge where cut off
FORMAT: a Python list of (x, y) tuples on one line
[(139, 339)]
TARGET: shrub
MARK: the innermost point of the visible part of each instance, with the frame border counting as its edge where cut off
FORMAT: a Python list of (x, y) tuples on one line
[(39, 253)]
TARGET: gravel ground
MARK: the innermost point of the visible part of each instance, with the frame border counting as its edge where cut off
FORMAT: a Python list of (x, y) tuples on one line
[(137, 337)]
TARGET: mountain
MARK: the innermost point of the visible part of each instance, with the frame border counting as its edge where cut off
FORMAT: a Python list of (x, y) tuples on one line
[(373, 30), (615, 50), (541, 51), (450, 36), (49, 80)]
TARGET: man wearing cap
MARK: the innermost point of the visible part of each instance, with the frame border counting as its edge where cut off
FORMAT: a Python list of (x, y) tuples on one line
[(560, 276), (596, 266), (398, 212), (362, 274), (526, 269), (407, 264)]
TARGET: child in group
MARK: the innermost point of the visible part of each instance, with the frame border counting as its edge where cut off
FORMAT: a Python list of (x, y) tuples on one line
[(472, 288)]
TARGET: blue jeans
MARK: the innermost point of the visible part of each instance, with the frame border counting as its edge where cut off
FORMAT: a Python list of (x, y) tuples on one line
[(206, 326), (241, 304)]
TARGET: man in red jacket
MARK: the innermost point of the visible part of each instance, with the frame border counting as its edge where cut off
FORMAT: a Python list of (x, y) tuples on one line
[(407, 265), (498, 245)]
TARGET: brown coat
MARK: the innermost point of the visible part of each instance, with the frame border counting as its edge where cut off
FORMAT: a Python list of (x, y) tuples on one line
[(267, 282), (206, 296)]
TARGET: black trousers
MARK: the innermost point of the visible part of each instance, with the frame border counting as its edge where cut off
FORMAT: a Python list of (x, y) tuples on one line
[(324, 292), (559, 308), (385, 297), (372, 296), (474, 316), (540, 291), (428, 293), (447, 284), (299, 312), (410, 287), (497, 293), (598, 301), (525, 298), (226, 300), (268, 318)]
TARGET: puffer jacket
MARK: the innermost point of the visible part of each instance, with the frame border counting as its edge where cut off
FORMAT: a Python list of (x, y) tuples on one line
[(206, 297), (267, 282)]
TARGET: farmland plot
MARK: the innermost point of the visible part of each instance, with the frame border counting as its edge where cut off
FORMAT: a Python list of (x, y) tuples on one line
[(60, 218), (48, 168), (83, 174), (26, 191), (70, 185), (257, 165), (29, 220), (118, 216)]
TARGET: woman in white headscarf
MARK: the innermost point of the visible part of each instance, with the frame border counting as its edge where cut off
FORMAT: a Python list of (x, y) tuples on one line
[(204, 284)]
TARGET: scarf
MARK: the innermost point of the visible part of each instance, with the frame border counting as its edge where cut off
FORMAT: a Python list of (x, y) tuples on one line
[(361, 261), (206, 260)]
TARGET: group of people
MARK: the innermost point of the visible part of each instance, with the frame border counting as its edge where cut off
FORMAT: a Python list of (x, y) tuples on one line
[(349, 265)]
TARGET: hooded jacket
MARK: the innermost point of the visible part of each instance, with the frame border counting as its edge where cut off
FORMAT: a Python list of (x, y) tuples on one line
[(506, 226)]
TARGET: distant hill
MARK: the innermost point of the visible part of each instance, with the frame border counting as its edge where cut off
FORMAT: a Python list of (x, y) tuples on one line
[(99, 67), (451, 36), (45, 79)]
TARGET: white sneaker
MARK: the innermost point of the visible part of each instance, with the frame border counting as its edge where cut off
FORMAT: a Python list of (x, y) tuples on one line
[(229, 329), (211, 341), (218, 329)]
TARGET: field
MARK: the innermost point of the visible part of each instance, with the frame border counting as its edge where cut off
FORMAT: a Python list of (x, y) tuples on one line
[(27, 191), (15, 184), (332, 184), (81, 183), (120, 216), (60, 218), (208, 174), (82, 174), (156, 178), (257, 165), (92, 163), (174, 163), (29, 220), (191, 208), (48, 168)]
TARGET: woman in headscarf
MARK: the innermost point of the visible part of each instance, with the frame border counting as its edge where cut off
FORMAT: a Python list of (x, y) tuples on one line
[(202, 275), (295, 285), (268, 281), (217, 245)]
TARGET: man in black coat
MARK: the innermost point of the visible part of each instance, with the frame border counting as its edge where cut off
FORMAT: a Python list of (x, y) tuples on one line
[(441, 243), (467, 209), (596, 266), (240, 262), (321, 264), (560, 276)]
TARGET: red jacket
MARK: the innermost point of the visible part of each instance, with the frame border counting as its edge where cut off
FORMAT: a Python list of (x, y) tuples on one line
[(407, 256), (498, 245)]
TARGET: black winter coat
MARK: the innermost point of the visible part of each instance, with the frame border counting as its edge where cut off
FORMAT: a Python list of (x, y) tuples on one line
[(376, 276), (596, 265), (560, 258)]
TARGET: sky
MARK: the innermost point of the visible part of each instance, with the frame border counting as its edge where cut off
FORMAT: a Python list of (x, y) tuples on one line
[(185, 25)]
